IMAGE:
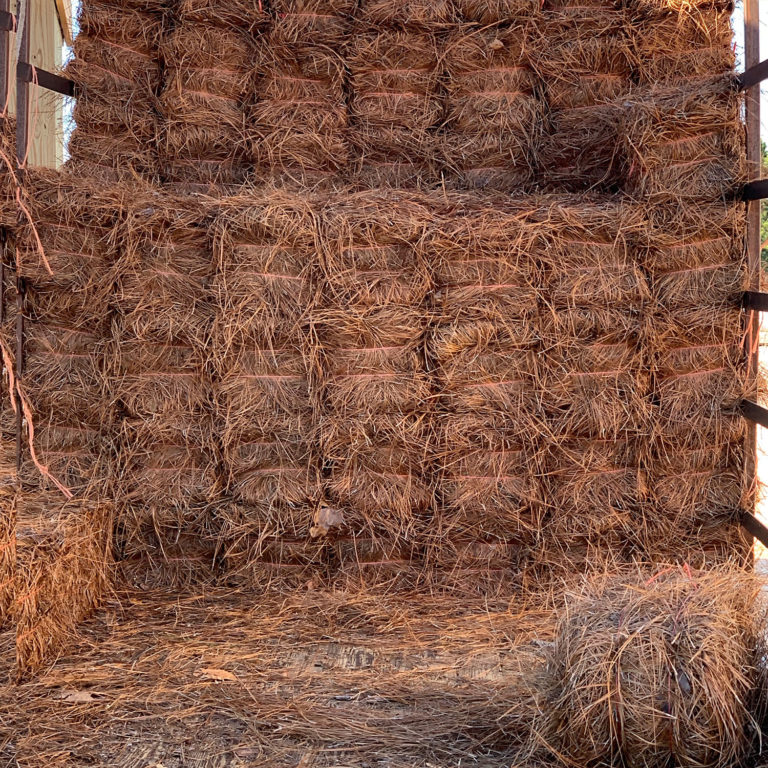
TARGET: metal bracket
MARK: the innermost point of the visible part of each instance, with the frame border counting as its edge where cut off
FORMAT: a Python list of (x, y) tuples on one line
[(754, 413), (755, 190), (7, 22), (31, 74), (753, 76), (756, 300), (755, 527)]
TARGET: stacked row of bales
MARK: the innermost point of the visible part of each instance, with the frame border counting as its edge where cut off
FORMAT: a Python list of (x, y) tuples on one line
[(448, 383), (205, 95)]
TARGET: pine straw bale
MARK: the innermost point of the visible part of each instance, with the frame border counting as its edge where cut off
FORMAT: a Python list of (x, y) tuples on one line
[(595, 294), (482, 350), (694, 495), (685, 141), (64, 387), (172, 561), (239, 14), (493, 114), (694, 255), (275, 562), (265, 418), (168, 471), (374, 563), (266, 251), (597, 389), (660, 667), (323, 23), (593, 489), (63, 374), (67, 241), (494, 11), (693, 8), (166, 264), (376, 478), (489, 485), (7, 517), (208, 76), (149, 379), (297, 125), (672, 47), (409, 14), (583, 74), (62, 561), (137, 30), (481, 251), (395, 105)]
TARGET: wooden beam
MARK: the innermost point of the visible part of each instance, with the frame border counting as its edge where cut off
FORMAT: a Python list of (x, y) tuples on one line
[(63, 10)]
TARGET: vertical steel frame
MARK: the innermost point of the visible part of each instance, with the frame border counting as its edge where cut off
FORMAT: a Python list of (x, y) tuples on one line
[(754, 163), (22, 147)]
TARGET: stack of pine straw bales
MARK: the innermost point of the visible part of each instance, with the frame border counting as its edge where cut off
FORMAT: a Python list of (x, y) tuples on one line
[(118, 71), (393, 56), (595, 389), (209, 60), (493, 112), (685, 160), (160, 382), (265, 370), (482, 348), (297, 127), (382, 384), (61, 546), (375, 392), (584, 75)]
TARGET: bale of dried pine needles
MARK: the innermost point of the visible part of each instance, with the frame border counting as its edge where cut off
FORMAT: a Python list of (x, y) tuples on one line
[(656, 667), (63, 555), (685, 141), (672, 46), (118, 72), (493, 114)]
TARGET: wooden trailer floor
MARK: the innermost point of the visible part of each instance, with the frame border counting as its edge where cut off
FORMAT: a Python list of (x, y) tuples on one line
[(227, 679)]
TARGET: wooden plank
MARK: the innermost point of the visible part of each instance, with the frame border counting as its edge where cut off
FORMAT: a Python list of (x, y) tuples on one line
[(755, 190), (65, 20), (754, 169), (755, 527), (756, 300)]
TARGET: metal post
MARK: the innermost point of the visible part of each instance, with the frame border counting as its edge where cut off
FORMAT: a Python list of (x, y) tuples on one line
[(22, 146), (754, 163), (5, 62)]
